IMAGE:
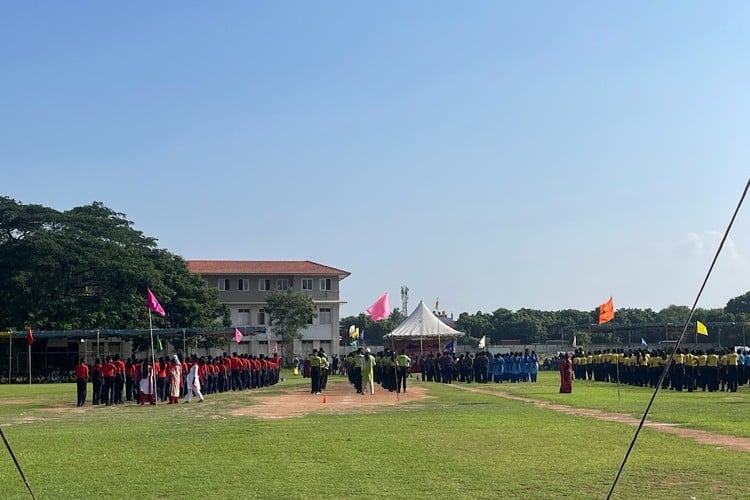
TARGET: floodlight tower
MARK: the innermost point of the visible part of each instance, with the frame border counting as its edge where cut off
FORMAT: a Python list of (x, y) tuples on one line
[(405, 300)]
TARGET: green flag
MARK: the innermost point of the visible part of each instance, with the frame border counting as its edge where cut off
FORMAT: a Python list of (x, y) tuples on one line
[(159, 347)]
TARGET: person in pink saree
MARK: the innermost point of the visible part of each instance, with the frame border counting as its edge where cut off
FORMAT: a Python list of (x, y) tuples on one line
[(566, 374), (174, 379)]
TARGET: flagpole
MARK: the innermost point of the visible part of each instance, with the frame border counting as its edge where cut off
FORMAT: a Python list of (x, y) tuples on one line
[(153, 370), (10, 356), (29, 364), (97, 343), (617, 363)]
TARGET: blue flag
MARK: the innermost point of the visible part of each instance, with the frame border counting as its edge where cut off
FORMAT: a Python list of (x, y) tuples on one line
[(643, 342), (451, 346)]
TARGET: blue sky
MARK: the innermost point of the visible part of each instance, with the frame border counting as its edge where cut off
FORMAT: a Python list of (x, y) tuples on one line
[(492, 154)]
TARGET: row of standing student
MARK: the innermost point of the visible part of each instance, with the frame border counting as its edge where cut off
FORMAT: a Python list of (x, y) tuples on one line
[(689, 370), (171, 378)]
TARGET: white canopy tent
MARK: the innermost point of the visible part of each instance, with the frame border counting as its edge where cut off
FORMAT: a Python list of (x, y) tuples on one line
[(423, 324)]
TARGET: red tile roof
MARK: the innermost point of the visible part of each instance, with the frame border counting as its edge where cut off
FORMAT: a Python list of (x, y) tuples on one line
[(275, 267)]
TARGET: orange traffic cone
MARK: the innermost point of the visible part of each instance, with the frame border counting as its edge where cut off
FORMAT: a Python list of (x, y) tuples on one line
[(324, 399)]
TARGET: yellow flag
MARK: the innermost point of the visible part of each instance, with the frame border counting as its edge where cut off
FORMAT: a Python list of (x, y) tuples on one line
[(701, 328), (355, 334)]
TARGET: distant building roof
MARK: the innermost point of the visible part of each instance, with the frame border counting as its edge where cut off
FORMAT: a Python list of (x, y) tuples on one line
[(270, 267)]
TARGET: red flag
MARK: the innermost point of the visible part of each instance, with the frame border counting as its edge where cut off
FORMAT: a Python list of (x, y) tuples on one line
[(153, 303), (30, 337), (607, 311), (237, 335), (275, 347), (379, 310)]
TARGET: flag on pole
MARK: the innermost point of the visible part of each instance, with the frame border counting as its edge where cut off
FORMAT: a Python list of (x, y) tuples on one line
[(275, 347), (700, 328), (451, 346), (482, 341), (379, 310), (575, 341), (159, 347), (362, 335), (30, 337), (437, 304), (607, 311), (355, 334), (351, 330), (643, 342), (153, 303), (237, 335)]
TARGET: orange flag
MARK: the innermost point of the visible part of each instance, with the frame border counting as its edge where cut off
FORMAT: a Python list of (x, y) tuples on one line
[(607, 311)]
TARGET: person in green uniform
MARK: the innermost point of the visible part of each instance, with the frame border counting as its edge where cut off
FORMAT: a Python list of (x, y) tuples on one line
[(315, 363), (403, 363)]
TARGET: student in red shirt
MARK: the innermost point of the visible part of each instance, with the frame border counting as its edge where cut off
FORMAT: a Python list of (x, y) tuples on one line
[(96, 381), (119, 381), (108, 371), (82, 378)]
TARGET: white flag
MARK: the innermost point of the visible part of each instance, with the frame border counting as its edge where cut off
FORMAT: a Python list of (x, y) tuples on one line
[(482, 341), (574, 341)]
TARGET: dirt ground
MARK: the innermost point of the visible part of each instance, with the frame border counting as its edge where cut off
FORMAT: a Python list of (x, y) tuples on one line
[(338, 398)]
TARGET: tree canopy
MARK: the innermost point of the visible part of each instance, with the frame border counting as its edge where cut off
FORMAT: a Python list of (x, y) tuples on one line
[(289, 311), (88, 268)]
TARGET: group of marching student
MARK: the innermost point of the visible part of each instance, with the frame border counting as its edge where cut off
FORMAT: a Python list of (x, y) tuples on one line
[(386, 368), (169, 379), (391, 370), (480, 367), (712, 370)]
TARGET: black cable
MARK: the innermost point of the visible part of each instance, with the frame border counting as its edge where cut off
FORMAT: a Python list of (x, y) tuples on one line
[(679, 341), (18, 466)]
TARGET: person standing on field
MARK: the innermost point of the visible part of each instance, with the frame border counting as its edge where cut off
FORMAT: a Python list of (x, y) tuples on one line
[(315, 363), (82, 377), (174, 375), (368, 372), (403, 363)]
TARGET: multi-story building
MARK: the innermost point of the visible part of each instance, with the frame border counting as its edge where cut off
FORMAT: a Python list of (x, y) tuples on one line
[(243, 285)]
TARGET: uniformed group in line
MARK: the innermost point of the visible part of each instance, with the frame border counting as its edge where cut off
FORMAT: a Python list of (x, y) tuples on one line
[(480, 367), (711, 370), (168, 379), (386, 368), (317, 367)]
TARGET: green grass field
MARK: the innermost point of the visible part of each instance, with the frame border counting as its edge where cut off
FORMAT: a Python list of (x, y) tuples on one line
[(453, 444)]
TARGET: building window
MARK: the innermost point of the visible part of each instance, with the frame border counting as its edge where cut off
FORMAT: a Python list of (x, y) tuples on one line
[(310, 320), (223, 284), (264, 285), (282, 285), (307, 283), (243, 285), (325, 283), (262, 317), (325, 315)]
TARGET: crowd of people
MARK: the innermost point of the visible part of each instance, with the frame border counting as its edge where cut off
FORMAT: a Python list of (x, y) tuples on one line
[(391, 370), (480, 367), (168, 379), (709, 370)]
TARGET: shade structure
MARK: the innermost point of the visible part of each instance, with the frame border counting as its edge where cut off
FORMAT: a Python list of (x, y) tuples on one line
[(422, 323)]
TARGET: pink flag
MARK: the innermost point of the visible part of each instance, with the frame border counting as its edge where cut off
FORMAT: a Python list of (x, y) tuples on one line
[(153, 304), (379, 310), (275, 347), (237, 335)]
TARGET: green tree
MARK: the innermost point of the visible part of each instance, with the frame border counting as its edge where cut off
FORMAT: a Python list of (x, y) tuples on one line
[(88, 268), (289, 311)]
